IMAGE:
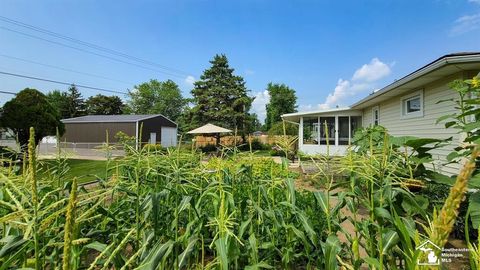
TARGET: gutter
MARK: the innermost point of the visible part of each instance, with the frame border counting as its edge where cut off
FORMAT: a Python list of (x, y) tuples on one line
[(291, 122)]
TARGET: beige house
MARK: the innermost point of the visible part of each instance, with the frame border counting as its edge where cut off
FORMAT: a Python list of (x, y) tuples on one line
[(407, 107)]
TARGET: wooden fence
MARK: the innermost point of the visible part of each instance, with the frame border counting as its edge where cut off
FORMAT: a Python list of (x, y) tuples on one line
[(201, 141)]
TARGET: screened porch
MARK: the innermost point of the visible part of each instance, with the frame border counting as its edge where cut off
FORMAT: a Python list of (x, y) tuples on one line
[(326, 132)]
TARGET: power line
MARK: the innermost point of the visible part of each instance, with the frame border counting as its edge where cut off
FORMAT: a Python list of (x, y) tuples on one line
[(90, 45), (60, 82), (7, 92), (90, 52), (64, 69)]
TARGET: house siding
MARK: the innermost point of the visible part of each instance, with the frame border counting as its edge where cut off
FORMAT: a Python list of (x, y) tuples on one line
[(423, 126)]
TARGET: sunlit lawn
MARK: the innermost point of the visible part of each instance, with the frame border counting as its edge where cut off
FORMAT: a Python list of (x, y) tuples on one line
[(84, 170)]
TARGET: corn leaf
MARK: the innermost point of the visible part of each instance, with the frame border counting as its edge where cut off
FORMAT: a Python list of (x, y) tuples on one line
[(389, 240), (183, 258), (222, 254), (157, 253)]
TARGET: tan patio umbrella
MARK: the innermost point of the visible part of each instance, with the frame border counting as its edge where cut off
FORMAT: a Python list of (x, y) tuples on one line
[(210, 129)]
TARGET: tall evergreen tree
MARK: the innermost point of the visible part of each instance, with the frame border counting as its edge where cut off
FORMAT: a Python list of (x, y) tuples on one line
[(76, 104), (282, 100), (220, 97)]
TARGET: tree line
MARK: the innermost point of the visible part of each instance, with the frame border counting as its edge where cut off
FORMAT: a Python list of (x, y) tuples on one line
[(219, 97)]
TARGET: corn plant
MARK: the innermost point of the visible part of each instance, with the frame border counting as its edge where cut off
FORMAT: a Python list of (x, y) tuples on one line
[(174, 209)]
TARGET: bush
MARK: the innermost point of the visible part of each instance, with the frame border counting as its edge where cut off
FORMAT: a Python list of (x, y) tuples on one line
[(256, 146), (277, 129), (154, 148), (276, 151), (208, 148), (437, 194), (128, 142)]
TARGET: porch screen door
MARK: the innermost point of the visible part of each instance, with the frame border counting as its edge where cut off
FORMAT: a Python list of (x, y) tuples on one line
[(343, 130), (327, 127)]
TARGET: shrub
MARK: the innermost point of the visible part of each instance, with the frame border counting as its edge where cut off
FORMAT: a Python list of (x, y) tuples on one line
[(128, 142), (208, 148), (153, 148), (436, 194), (256, 145), (277, 129), (276, 151)]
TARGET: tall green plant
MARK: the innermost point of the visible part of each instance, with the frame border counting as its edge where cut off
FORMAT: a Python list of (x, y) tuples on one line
[(32, 175)]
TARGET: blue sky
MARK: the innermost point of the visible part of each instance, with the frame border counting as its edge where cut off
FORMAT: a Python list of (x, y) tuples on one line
[(331, 52)]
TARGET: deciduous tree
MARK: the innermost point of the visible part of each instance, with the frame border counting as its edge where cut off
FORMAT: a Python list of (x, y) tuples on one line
[(282, 100), (30, 108), (60, 101), (155, 97), (105, 105)]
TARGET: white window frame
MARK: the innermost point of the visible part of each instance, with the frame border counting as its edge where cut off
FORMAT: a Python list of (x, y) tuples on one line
[(375, 108), (403, 105)]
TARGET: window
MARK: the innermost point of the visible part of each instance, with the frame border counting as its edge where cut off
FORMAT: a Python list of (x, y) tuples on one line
[(376, 116), (412, 105), (310, 130)]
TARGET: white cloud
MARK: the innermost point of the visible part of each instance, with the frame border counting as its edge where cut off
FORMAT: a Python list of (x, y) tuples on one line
[(373, 71), (466, 24), (474, 1), (259, 103), (340, 92), (362, 80), (189, 80)]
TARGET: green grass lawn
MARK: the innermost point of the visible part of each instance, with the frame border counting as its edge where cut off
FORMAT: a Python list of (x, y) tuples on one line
[(84, 170)]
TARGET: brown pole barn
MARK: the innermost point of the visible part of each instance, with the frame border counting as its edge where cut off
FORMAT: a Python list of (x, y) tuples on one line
[(92, 129)]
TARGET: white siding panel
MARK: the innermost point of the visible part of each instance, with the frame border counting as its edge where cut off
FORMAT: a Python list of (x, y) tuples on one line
[(424, 126), (169, 136)]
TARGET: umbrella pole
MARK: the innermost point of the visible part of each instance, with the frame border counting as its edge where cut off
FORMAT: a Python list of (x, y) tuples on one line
[(218, 139)]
